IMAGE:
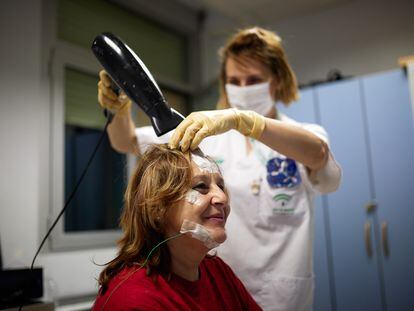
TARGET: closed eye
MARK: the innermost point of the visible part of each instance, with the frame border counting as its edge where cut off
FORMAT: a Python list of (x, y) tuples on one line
[(201, 187), (221, 186), (233, 81)]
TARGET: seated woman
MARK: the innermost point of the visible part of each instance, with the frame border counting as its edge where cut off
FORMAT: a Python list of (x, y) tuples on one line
[(175, 213)]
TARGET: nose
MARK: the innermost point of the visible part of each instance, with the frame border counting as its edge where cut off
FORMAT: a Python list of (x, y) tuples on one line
[(219, 197)]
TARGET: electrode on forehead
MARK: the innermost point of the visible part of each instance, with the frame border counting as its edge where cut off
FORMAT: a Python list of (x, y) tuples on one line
[(205, 164), (198, 232)]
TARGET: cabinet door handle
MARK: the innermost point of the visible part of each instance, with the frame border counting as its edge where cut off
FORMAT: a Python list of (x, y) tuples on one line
[(370, 207), (367, 233), (384, 239)]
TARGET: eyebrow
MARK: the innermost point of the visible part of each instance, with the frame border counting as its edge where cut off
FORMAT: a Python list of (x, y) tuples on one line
[(204, 176), (254, 75), (200, 177), (220, 179)]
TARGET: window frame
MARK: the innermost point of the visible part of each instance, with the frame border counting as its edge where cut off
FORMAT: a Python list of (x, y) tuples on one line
[(63, 54), (69, 55)]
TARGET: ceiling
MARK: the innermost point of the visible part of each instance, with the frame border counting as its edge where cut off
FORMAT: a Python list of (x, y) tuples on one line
[(264, 12)]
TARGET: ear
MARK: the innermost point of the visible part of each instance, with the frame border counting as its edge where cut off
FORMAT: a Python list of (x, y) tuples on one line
[(157, 222)]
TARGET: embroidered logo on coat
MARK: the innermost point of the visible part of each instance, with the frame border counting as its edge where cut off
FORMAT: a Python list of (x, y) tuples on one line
[(282, 172), (282, 198), (282, 207)]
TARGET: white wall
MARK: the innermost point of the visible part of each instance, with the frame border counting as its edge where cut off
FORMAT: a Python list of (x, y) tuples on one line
[(359, 37), (24, 153), (21, 98)]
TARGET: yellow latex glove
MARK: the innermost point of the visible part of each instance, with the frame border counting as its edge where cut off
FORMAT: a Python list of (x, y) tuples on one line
[(198, 125), (108, 99)]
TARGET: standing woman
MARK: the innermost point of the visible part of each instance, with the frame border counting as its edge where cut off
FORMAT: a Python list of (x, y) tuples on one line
[(273, 170), (273, 167)]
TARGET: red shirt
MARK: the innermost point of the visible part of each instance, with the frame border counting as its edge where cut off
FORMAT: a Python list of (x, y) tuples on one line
[(217, 289)]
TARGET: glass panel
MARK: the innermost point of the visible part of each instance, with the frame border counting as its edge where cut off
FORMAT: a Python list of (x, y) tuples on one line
[(98, 200), (81, 100)]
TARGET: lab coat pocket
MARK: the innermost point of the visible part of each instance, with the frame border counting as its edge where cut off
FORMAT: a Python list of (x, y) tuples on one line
[(287, 294), (282, 206)]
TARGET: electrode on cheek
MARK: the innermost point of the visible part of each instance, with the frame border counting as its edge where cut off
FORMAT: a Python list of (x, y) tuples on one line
[(193, 197), (198, 232)]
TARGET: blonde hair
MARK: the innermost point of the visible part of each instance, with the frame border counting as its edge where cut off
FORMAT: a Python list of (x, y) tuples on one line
[(266, 47), (159, 182)]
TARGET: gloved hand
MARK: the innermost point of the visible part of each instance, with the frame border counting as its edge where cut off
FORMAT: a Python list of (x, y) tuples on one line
[(198, 125), (108, 99)]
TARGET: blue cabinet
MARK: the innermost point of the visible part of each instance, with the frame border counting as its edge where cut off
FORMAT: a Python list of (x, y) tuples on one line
[(354, 270), (305, 111), (363, 250), (391, 133)]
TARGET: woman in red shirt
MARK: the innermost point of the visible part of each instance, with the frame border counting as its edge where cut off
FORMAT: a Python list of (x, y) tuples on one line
[(175, 213)]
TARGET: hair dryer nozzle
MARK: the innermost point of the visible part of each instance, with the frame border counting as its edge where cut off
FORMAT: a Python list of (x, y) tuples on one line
[(166, 121), (132, 76)]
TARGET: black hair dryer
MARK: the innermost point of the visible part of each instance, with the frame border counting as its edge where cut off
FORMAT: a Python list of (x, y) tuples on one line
[(132, 76)]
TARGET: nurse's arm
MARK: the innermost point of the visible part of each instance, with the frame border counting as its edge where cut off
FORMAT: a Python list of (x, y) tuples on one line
[(296, 143), (305, 147), (121, 132)]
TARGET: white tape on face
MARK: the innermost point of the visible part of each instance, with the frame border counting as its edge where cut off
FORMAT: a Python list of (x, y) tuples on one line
[(198, 232), (205, 164), (193, 197)]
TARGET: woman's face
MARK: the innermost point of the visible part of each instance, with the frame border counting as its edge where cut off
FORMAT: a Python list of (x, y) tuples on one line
[(245, 71), (206, 203)]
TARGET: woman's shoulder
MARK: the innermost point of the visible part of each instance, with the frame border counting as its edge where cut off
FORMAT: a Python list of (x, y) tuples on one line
[(129, 289), (228, 285)]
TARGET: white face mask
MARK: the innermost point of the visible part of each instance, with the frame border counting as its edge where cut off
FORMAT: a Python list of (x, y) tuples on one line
[(254, 97)]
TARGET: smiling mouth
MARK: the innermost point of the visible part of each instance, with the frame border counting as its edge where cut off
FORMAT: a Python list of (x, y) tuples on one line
[(219, 218)]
